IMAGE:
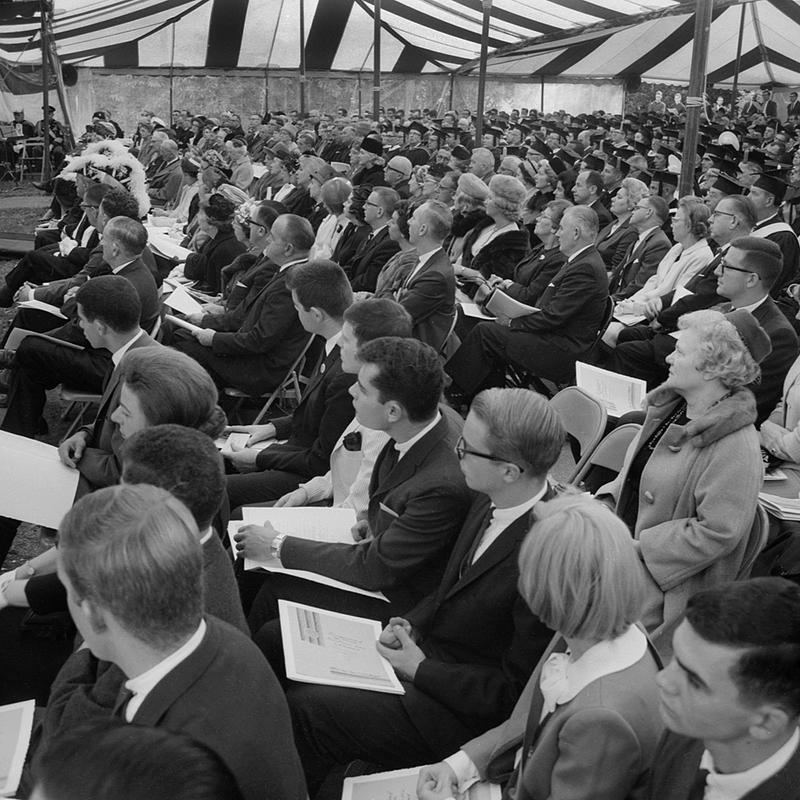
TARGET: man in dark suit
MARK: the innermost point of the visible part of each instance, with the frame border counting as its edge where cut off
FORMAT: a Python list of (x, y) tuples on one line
[(645, 253), (793, 106), (642, 349), (588, 191), (745, 273), (256, 357), (766, 194), (151, 657), (108, 310), (40, 364), (62, 259), (428, 291), (730, 697), (321, 294), (378, 247), (465, 651), (164, 183), (546, 343), (417, 497), (186, 463)]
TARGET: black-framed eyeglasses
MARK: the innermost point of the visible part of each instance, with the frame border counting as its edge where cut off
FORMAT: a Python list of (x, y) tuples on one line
[(251, 221), (716, 213), (462, 450), (84, 206), (374, 205), (725, 265)]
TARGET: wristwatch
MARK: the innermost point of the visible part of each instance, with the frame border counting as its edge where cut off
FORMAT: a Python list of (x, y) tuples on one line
[(275, 547)]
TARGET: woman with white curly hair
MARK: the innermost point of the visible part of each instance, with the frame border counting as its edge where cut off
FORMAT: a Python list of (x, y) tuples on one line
[(688, 490), (615, 238), (495, 245)]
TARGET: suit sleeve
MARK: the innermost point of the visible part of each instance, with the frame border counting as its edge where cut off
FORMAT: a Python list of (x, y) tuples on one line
[(575, 288), (647, 267), (420, 531), (367, 277), (277, 316), (427, 295), (704, 296), (599, 757), (488, 689), (315, 459)]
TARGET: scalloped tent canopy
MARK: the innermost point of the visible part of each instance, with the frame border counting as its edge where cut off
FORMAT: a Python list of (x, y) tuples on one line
[(657, 47), (418, 36)]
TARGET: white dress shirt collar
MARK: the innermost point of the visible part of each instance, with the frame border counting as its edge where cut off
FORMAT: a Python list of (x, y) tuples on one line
[(116, 356), (403, 447), (734, 785), (143, 684), (332, 342)]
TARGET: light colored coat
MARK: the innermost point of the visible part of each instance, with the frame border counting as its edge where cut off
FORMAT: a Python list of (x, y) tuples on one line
[(781, 432), (598, 746), (697, 503)]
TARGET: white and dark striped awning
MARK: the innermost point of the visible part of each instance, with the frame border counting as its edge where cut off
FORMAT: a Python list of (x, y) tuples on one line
[(417, 35), (657, 46)]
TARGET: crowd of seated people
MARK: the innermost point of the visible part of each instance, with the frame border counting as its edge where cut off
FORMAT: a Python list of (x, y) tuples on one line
[(641, 643)]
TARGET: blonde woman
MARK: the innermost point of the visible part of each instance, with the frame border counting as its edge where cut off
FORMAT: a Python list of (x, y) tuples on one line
[(587, 723)]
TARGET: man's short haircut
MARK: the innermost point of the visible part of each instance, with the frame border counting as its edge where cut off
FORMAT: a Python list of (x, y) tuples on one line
[(409, 372), (762, 256), (579, 571), (181, 460), (297, 232), (594, 178), (129, 233), (321, 284), (113, 300), (659, 206), (120, 203), (266, 214), (377, 317), (172, 387), (138, 763), (743, 208), (439, 218), (387, 198), (134, 551), (522, 428), (95, 194), (762, 617), (585, 218)]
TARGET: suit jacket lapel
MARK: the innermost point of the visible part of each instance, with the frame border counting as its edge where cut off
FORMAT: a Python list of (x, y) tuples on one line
[(407, 465), (330, 363), (175, 683)]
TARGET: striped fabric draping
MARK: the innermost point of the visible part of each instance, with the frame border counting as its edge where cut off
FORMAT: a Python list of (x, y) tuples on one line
[(417, 35), (657, 46)]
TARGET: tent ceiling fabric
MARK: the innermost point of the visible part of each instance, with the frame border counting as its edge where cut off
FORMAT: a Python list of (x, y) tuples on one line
[(418, 35), (658, 47), (570, 39)]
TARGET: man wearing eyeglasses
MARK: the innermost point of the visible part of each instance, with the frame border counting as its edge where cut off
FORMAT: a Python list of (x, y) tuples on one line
[(464, 652), (745, 273)]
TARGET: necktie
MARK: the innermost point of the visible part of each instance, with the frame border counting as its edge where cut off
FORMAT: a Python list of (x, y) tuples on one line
[(390, 456), (466, 562), (698, 790), (123, 697)]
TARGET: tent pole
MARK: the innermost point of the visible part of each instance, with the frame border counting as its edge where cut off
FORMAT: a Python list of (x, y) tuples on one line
[(452, 88), (735, 88), (171, 74), (487, 13), (44, 9), (541, 94), (302, 57), (694, 102), (376, 69)]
